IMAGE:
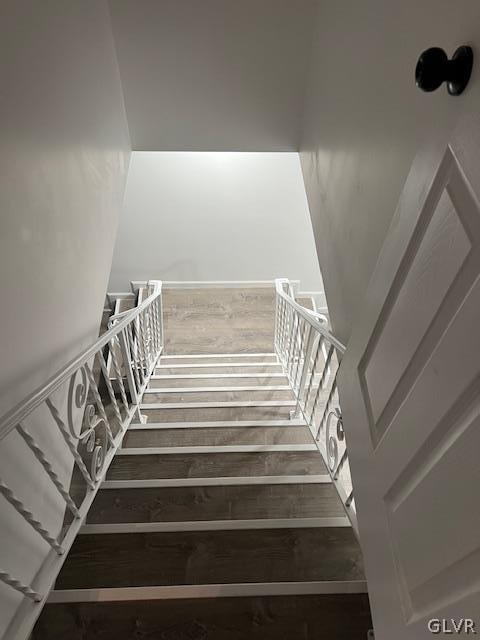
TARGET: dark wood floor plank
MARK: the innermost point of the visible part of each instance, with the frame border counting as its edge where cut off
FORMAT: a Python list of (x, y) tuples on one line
[(217, 436), (217, 382), (146, 559), (211, 465), (220, 396), (180, 504), (215, 358), (218, 320), (324, 617), (259, 368), (223, 413)]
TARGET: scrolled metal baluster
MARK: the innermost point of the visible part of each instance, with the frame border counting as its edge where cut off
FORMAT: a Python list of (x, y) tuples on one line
[(28, 516), (301, 353), (312, 375), (98, 400), (293, 339), (326, 411), (279, 334), (150, 322), (321, 386), (349, 500), (111, 392), (132, 356), (139, 345), (24, 589), (143, 339), (156, 327), (276, 332), (151, 333), (159, 302), (94, 446), (340, 438), (279, 341), (118, 373), (343, 459), (153, 318), (326, 367), (151, 336), (40, 456), (70, 443), (77, 396), (285, 331), (331, 441)]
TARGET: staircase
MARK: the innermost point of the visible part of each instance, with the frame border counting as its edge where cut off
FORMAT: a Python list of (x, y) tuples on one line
[(218, 517)]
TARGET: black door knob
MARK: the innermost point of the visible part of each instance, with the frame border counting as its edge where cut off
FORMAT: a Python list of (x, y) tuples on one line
[(433, 68)]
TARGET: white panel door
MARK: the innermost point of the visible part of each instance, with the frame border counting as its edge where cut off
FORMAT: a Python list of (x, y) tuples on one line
[(410, 394)]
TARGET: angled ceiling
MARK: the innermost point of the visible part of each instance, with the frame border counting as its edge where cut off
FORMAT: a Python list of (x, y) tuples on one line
[(213, 75)]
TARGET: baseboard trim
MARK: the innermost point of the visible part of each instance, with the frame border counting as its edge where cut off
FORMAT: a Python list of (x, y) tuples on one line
[(214, 284)]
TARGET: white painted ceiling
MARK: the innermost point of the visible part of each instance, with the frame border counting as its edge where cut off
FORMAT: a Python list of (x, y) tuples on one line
[(213, 75)]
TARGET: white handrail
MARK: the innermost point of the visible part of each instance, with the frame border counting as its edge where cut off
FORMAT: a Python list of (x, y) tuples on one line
[(10, 420), (310, 355), (100, 405), (308, 315)]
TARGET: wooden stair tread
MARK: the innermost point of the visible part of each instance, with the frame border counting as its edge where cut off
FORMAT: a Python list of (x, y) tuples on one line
[(217, 413), (217, 436), (261, 394), (142, 559), (218, 369), (336, 617), (213, 380), (183, 504), (204, 465), (217, 358)]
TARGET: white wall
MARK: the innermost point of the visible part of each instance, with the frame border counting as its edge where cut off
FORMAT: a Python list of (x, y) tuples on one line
[(364, 118), (64, 152), (215, 216), (213, 75)]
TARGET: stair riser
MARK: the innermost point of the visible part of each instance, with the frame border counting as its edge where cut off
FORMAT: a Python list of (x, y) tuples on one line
[(215, 503), (211, 557), (215, 465)]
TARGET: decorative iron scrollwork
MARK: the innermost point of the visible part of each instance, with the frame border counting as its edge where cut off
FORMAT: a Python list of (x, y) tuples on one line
[(77, 396), (93, 430), (94, 439), (332, 440)]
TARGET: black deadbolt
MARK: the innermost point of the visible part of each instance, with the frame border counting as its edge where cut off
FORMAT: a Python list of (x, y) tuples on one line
[(433, 68)]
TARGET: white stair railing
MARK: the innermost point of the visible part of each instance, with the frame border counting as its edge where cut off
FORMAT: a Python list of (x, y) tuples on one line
[(310, 356), (71, 428)]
